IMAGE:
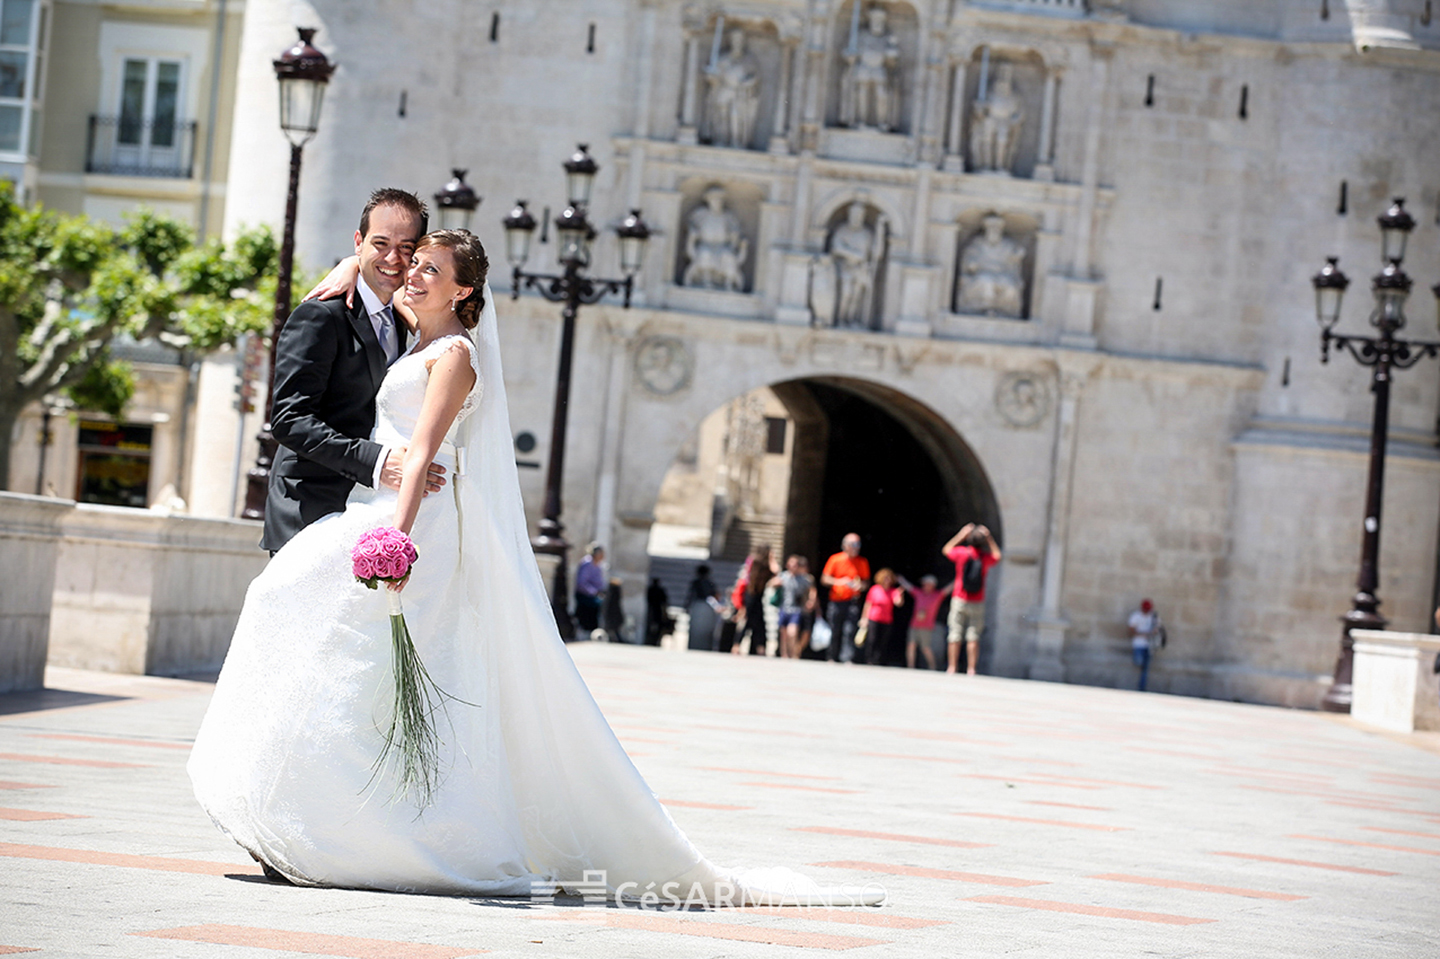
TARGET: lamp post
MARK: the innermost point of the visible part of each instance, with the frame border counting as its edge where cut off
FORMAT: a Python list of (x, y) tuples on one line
[(456, 202), (1383, 354), (573, 288), (302, 72)]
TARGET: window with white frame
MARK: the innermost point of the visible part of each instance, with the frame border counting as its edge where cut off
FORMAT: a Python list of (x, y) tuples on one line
[(22, 36), (147, 122)]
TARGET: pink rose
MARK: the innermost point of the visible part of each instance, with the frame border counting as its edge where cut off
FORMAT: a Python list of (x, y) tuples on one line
[(383, 553)]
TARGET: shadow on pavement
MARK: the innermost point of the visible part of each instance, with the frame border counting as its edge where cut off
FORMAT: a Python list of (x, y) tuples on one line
[(12, 704)]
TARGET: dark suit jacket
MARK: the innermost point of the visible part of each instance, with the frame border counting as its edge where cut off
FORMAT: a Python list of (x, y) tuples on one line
[(328, 368)]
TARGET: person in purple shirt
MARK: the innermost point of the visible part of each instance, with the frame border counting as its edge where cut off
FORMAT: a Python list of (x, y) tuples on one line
[(590, 588)]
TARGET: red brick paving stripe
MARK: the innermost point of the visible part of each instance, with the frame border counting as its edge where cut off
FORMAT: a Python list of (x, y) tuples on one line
[(1208, 757), (1198, 887), (630, 919), (1103, 782), (312, 943), (812, 789), (10, 950), (685, 803), (1362, 800), (1030, 760), (34, 815), (923, 759), (155, 743), (898, 837), (1399, 780), (63, 761), (895, 869), (1306, 862), (1365, 805), (1069, 805), (626, 737), (766, 772), (13, 785), (1046, 822), (858, 917), (1402, 832), (128, 860), (1367, 845), (1023, 779), (1088, 910)]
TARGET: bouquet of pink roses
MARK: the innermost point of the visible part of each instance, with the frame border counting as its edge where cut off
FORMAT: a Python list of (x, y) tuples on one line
[(385, 555)]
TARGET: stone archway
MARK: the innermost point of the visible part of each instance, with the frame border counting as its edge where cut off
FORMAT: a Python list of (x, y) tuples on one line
[(862, 457)]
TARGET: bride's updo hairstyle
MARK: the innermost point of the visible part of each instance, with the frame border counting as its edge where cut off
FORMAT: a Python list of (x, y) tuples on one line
[(471, 268)]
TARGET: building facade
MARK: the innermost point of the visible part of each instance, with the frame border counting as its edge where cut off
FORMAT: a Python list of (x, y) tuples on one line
[(1038, 263), (106, 108)]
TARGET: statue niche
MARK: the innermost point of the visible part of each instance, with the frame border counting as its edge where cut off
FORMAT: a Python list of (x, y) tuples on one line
[(715, 245), (732, 94), (996, 120), (991, 278), (844, 282), (870, 75)]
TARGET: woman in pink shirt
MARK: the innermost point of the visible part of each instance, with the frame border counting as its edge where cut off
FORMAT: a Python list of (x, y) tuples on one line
[(922, 625), (879, 615)]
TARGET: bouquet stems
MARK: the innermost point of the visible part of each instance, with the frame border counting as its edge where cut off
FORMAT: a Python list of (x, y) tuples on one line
[(411, 741)]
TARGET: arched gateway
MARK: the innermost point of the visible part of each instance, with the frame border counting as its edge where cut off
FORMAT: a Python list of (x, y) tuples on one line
[(798, 464)]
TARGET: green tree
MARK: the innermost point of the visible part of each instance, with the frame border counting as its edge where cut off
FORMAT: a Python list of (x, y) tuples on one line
[(69, 286)]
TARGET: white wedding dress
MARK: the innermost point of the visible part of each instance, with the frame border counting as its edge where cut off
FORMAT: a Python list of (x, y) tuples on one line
[(535, 790)]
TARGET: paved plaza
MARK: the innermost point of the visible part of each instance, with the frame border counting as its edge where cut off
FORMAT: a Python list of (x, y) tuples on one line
[(1004, 818)]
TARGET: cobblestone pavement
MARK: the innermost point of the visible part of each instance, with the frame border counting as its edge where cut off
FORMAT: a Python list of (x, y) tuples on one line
[(1003, 817)]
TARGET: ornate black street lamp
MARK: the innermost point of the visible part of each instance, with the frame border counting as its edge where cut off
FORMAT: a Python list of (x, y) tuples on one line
[(1382, 354), (302, 72), (456, 202), (573, 288)]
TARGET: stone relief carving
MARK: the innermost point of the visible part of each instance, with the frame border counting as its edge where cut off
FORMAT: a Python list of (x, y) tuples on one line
[(996, 120), (842, 284), (663, 365), (991, 280), (715, 245), (732, 94), (1022, 399), (870, 81)]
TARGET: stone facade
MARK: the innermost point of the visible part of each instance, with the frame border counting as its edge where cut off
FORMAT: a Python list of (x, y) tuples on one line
[(1155, 422)]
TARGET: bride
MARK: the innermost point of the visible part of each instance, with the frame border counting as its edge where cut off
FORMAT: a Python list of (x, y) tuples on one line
[(535, 792)]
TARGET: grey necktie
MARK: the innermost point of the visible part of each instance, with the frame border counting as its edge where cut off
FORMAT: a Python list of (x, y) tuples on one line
[(389, 342)]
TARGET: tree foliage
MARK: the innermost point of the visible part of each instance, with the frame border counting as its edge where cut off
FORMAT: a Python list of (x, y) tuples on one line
[(69, 286)]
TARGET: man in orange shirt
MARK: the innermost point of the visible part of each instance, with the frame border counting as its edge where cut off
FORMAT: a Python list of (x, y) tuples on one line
[(847, 573)]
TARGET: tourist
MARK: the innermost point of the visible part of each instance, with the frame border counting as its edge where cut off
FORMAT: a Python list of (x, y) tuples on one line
[(760, 571), (1144, 628), (927, 599), (846, 573), (973, 551), (590, 588), (702, 602), (879, 615), (797, 599)]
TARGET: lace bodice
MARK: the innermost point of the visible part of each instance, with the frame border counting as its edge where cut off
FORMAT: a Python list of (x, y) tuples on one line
[(402, 394)]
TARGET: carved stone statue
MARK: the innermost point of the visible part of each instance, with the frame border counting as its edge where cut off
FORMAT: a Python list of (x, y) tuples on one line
[(991, 282), (995, 123), (732, 96), (869, 86), (856, 250), (714, 245)]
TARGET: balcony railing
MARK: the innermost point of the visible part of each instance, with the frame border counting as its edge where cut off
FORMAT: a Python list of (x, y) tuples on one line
[(130, 147)]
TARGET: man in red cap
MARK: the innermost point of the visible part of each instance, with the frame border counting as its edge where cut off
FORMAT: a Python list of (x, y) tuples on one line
[(1144, 624)]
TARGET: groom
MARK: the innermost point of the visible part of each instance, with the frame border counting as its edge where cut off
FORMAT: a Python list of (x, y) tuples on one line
[(329, 361)]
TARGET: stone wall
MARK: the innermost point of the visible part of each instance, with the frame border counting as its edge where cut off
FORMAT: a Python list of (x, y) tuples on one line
[(143, 592), (29, 537)]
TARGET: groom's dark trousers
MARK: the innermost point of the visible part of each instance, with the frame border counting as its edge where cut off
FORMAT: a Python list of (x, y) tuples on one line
[(328, 368)]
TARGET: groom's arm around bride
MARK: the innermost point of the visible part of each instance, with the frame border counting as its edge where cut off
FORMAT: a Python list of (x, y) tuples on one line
[(329, 362)]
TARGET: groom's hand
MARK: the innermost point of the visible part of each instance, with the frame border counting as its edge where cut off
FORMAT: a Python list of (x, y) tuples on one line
[(394, 469)]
